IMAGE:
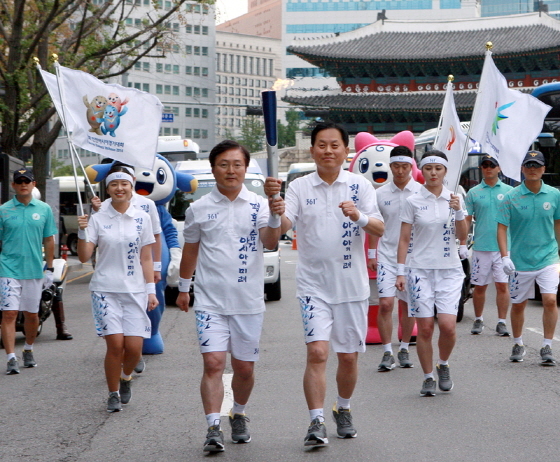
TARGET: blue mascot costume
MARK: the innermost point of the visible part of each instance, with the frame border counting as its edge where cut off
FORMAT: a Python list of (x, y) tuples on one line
[(158, 184)]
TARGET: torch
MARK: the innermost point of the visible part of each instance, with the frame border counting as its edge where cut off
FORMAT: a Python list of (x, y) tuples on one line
[(270, 129)]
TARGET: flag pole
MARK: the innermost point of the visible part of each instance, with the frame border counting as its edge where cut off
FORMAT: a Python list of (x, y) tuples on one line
[(450, 79)]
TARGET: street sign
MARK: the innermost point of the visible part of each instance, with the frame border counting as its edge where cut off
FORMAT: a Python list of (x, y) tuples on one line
[(167, 117)]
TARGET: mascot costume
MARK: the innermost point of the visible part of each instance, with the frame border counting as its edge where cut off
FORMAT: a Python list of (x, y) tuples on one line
[(158, 184)]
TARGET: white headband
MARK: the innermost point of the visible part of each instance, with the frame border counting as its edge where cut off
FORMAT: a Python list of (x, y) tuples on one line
[(433, 160), (406, 159), (119, 176)]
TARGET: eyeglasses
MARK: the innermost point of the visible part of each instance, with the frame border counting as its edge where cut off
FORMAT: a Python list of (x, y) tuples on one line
[(532, 165), (488, 165), (22, 181)]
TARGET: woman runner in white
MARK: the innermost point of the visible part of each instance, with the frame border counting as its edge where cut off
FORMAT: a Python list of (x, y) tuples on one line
[(123, 282), (434, 275)]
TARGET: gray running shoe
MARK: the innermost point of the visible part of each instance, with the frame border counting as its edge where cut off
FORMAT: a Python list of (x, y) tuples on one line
[(477, 327), (444, 378), (316, 434), (13, 367), (125, 391), (501, 330), (343, 419), (239, 428), (546, 356), (114, 402), (28, 360), (141, 366), (214, 440), (404, 361), (517, 353), (428, 387), (387, 362)]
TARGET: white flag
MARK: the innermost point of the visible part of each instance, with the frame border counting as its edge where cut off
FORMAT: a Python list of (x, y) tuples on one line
[(109, 119), (451, 139), (505, 122)]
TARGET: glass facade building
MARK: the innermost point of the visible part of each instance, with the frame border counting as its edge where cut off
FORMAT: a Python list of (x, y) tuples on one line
[(505, 7)]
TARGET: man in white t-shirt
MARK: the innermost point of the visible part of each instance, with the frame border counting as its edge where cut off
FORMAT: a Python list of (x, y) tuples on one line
[(225, 232), (332, 209), (383, 257)]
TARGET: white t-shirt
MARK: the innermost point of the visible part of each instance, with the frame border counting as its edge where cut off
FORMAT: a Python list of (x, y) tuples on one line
[(229, 270), (390, 200), (332, 263), (119, 237), (434, 242), (142, 203)]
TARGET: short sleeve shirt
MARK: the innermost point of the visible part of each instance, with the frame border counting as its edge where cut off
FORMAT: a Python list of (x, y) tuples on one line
[(120, 238), (434, 241), (390, 200), (142, 203), (482, 202), (530, 220), (229, 270), (332, 263), (22, 230)]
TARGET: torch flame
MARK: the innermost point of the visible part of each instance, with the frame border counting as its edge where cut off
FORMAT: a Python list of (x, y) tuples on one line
[(280, 84)]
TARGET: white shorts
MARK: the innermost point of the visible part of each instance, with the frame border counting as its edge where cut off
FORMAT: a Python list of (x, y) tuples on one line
[(342, 324), (239, 334), (386, 278), (434, 287), (487, 267), (522, 283), (20, 294), (121, 313)]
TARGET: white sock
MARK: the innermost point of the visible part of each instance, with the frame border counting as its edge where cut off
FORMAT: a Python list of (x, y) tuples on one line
[(314, 413), (27, 347), (238, 409), (442, 362), (478, 317), (342, 403), (429, 375), (213, 419), (388, 347), (11, 355), (117, 392), (125, 377), (404, 346), (518, 340), (546, 342), (502, 320)]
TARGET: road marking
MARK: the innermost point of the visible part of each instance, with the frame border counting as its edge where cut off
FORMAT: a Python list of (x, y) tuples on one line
[(536, 330), (290, 262), (227, 403), (79, 277)]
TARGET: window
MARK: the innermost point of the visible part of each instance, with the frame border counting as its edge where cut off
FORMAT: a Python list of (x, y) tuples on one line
[(204, 51), (167, 5), (196, 91), (205, 9), (167, 131), (197, 30), (196, 133), (204, 134), (196, 112), (205, 92), (258, 66), (218, 64), (138, 22), (205, 73), (146, 67), (188, 70), (175, 48), (204, 30), (197, 51), (159, 89), (175, 68), (188, 91), (175, 110), (196, 70), (168, 68), (167, 89), (258, 83), (197, 8), (205, 113), (137, 66), (128, 21), (159, 67), (137, 86), (251, 60), (188, 112), (175, 27), (188, 133), (176, 90), (146, 87), (189, 29), (175, 131), (188, 49)]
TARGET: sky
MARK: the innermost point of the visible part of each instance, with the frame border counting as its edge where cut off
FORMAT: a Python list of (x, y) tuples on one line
[(229, 9)]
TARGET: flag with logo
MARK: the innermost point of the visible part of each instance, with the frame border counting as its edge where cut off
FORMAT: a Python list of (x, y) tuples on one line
[(109, 119), (450, 138), (505, 122)]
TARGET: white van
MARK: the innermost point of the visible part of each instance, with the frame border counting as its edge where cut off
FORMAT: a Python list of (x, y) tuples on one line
[(254, 181), (69, 207)]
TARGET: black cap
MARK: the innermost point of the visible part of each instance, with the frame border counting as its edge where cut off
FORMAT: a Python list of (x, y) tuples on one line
[(534, 156), (488, 158), (24, 173)]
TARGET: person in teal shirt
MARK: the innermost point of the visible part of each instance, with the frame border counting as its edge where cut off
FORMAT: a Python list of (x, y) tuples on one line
[(531, 213), (482, 203), (26, 226)]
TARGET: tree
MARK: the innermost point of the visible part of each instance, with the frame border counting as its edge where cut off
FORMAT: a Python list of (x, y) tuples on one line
[(90, 35), (252, 133), (287, 133)]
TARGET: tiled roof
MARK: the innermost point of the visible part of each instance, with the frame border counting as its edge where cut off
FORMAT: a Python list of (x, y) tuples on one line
[(428, 45)]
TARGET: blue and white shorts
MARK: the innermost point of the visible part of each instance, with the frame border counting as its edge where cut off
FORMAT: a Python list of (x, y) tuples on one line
[(522, 283), (386, 279), (487, 267), (121, 313), (20, 294)]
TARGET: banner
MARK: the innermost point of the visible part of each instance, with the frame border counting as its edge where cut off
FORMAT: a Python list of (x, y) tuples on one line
[(505, 122), (108, 119), (450, 138)]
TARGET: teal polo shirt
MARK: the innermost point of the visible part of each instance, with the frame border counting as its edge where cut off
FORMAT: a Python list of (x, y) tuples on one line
[(482, 201), (530, 218), (22, 229)]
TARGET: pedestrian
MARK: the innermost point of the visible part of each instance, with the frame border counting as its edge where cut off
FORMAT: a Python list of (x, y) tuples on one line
[(26, 227), (531, 214), (225, 233), (383, 258), (434, 275), (122, 285), (482, 204), (332, 209)]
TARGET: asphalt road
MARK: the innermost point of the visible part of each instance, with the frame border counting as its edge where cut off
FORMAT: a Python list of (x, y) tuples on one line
[(497, 411)]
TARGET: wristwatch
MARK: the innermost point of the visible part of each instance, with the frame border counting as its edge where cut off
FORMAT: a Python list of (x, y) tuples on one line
[(50, 269)]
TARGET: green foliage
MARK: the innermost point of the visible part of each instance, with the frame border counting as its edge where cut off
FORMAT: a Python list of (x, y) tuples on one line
[(252, 134), (287, 133)]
